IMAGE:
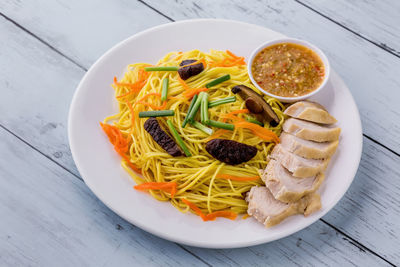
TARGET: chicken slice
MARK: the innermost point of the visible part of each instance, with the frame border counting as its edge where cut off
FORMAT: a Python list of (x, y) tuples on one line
[(298, 166), (269, 211), (284, 186), (310, 111), (311, 131), (308, 149)]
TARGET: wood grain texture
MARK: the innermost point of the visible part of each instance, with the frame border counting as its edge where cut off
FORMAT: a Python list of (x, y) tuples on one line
[(377, 21), (370, 72), (41, 98), (37, 86), (50, 216), (82, 30)]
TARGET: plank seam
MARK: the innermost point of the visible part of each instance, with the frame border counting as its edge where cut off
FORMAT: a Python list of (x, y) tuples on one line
[(348, 238), (64, 168), (356, 243), (155, 10), (43, 41), (40, 152), (382, 145), (194, 255), (381, 45)]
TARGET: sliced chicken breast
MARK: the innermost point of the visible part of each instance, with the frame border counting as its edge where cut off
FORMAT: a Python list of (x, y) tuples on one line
[(310, 111), (311, 131), (269, 211), (284, 186), (307, 149), (298, 166)]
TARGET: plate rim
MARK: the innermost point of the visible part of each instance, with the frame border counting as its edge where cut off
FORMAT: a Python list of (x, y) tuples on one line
[(160, 233)]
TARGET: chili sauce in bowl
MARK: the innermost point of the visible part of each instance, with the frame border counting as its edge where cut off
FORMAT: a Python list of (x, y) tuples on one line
[(288, 69)]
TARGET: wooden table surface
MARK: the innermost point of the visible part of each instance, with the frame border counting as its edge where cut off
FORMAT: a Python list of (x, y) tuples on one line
[(48, 216)]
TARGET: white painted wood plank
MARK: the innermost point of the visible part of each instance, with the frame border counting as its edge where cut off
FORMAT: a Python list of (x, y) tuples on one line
[(83, 30), (15, 48), (371, 73), (37, 86), (370, 210), (378, 21), (49, 216)]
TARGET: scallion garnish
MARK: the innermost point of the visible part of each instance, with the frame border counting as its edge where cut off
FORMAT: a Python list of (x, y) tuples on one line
[(156, 113), (164, 90), (195, 108), (218, 80), (186, 120), (178, 139), (202, 128), (250, 119), (222, 125), (161, 68), (204, 109), (218, 102)]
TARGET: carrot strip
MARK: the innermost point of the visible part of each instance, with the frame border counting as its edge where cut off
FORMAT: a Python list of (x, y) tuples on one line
[(115, 136), (238, 178), (191, 92), (234, 118), (131, 165), (184, 84), (121, 144), (193, 207), (148, 95), (232, 54), (223, 213), (140, 101), (216, 134), (153, 106), (204, 62), (190, 64), (211, 216), (261, 132), (169, 187), (231, 61), (136, 86)]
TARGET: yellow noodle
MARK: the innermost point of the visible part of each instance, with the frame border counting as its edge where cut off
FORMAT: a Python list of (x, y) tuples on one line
[(196, 176)]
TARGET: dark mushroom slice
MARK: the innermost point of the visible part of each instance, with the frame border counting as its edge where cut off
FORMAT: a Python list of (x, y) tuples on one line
[(153, 127), (256, 104), (229, 151), (189, 71)]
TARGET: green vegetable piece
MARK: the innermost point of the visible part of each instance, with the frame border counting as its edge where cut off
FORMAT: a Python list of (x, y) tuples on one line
[(161, 68), (218, 80), (250, 119), (186, 120), (204, 109), (218, 102), (195, 108), (164, 90), (202, 128), (178, 139), (222, 125), (156, 113)]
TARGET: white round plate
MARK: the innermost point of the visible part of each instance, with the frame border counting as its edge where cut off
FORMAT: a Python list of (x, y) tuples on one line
[(100, 167)]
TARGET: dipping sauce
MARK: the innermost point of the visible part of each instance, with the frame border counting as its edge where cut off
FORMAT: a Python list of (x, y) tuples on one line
[(288, 70)]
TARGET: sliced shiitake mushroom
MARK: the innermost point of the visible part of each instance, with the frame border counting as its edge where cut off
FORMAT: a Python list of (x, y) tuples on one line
[(256, 104), (185, 72)]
